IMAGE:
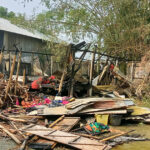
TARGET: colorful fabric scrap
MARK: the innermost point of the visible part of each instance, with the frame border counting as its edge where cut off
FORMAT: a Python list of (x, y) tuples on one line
[(96, 128)]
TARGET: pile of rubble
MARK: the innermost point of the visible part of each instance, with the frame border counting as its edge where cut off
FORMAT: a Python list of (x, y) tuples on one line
[(83, 123), (79, 121)]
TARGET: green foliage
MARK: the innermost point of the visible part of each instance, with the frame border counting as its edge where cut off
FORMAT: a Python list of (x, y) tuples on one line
[(123, 25), (120, 27), (5, 14)]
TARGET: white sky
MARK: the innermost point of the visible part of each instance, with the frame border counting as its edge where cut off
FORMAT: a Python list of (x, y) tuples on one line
[(18, 6)]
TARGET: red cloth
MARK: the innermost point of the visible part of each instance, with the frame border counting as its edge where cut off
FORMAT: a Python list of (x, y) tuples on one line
[(112, 67), (35, 84), (45, 82), (52, 77)]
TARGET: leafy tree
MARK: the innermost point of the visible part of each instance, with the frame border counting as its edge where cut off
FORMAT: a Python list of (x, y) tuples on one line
[(120, 27), (5, 14)]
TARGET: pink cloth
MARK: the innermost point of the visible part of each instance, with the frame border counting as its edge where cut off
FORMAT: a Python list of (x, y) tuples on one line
[(47, 101), (17, 102), (65, 102)]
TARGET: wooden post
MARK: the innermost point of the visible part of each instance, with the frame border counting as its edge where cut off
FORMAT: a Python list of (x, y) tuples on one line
[(116, 63), (9, 62), (32, 64), (51, 65), (91, 71), (10, 77), (115, 79), (72, 56), (24, 76), (17, 73), (61, 81), (132, 68), (1, 55)]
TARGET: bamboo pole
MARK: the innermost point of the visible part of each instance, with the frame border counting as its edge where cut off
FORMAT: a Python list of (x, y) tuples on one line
[(9, 62), (132, 68), (115, 136), (24, 76), (72, 63), (17, 73), (51, 65), (10, 77), (56, 121), (61, 81), (1, 57), (91, 72)]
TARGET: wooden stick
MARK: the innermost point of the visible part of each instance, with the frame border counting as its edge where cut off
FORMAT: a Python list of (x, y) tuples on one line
[(10, 134), (86, 135), (17, 129), (103, 73), (51, 65), (24, 76), (10, 77), (61, 136), (23, 145), (56, 121), (1, 57), (61, 81), (91, 72), (12, 119), (84, 144), (17, 73), (115, 136)]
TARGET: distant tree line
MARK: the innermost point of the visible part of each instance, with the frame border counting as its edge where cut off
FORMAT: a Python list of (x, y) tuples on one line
[(5, 14)]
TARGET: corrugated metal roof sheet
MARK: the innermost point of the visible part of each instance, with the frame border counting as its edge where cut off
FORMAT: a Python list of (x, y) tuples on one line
[(6, 25)]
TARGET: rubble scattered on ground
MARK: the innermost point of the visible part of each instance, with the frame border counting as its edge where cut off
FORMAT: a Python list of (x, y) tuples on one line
[(65, 113)]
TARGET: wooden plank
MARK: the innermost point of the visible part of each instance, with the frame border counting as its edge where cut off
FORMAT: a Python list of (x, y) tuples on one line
[(67, 123), (13, 119), (109, 105), (81, 143), (63, 124), (78, 108), (61, 110), (115, 136), (83, 101), (124, 111)]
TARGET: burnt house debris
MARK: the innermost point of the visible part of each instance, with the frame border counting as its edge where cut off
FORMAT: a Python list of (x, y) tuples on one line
[(76, 106)]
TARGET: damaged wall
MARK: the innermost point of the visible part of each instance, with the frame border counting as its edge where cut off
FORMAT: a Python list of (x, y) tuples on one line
[(141, 70), (26, 44)]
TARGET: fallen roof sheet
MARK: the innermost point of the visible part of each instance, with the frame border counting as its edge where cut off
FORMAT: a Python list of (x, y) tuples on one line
[(66, 138)]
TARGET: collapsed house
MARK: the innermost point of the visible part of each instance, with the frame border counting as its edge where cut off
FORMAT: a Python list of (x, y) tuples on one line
[(28, 117)]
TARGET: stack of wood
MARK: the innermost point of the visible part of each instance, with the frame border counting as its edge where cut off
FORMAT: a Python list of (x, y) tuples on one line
[(88, 106), (10, 98)]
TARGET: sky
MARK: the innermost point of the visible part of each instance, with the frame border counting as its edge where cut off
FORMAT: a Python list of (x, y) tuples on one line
[(18, 6)]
